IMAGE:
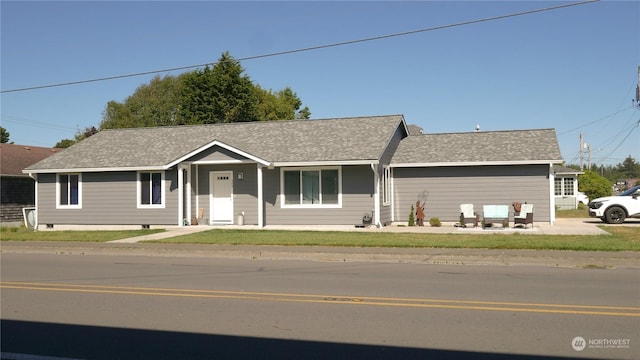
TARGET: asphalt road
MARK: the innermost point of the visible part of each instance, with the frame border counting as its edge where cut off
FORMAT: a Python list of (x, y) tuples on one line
[(163, 307)]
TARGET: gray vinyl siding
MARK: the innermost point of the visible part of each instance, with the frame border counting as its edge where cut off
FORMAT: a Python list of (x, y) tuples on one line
[(357, 199), (108, 198), (448, 187)]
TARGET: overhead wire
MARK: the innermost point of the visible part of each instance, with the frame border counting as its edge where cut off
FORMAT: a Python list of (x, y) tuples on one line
[(32, 123), (311, 48), (637, 124)]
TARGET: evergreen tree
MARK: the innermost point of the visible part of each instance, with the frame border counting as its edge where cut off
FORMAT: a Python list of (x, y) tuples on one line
[(221, 94)]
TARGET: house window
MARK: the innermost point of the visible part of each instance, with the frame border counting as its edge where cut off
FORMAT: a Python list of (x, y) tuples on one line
[(568, 187), (150, 190), (557, 186), (69, 191), (311, 187), (386, 186), (564, 187)]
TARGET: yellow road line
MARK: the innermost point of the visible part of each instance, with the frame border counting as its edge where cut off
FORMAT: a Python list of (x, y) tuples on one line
[(335, 299)]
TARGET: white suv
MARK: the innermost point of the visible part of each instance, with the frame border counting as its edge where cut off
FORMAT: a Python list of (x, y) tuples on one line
[(614, 209)]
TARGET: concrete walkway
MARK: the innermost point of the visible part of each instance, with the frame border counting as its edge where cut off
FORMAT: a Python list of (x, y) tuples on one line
[(563, 226)]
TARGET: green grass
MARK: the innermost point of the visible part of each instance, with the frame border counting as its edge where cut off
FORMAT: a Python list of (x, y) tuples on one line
[(24, 234), (621, 239), (581, 212)]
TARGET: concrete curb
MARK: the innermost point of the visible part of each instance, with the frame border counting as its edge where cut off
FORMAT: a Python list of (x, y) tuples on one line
[(577, 259)]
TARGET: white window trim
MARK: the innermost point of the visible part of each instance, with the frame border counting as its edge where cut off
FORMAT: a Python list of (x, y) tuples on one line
[(311, 206), (79, 205), (386, 185), (162, 194), (563, 189)]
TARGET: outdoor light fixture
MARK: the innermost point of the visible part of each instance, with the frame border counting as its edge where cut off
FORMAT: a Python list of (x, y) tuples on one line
[(240, 175)]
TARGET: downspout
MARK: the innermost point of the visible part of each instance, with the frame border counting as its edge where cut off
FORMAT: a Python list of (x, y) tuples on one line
[(376, 195), (35, 178)]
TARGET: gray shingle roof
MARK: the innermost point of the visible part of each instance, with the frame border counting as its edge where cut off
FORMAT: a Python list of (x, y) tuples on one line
[(558, 169), (344, 139), (479, 147)]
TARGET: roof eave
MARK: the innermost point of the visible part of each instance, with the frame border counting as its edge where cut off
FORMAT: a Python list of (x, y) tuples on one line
[(324, 163), (476, 163), (87, 170)]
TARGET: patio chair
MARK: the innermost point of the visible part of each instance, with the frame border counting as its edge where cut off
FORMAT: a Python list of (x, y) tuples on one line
[(525, 216), (468, 216)]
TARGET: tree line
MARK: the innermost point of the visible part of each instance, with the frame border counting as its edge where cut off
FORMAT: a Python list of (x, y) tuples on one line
[(221, 93)]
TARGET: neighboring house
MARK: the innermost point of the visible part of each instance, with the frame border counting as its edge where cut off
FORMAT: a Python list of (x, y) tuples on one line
[(17, 189), (565, 187), (301, 172)]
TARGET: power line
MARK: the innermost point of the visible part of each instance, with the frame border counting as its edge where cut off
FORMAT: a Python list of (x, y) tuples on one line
[(623, 140), (28, 122), (311, 48), (597, 120)]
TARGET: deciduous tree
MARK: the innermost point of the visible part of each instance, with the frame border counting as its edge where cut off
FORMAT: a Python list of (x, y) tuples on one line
[(4, 135), (594, 185), (221, 94)]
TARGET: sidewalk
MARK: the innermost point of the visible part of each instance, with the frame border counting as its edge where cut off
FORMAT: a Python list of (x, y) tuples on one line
[(137, 247)]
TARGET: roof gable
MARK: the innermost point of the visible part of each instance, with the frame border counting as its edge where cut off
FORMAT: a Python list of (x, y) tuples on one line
[(273, 142), (483, 147)]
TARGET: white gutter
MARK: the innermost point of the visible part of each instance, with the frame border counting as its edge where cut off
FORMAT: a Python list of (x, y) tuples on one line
[(477, 163), (83, 170), (323, 163)]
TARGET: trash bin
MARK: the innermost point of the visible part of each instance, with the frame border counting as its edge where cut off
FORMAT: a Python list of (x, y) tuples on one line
[(240, 219)]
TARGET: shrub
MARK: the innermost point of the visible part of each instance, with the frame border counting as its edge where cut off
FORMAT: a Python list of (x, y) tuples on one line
[(412, 219), (435, 222)]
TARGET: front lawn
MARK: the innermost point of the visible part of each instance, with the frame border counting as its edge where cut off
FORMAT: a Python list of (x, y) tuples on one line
[(621, 239), (24, 234)]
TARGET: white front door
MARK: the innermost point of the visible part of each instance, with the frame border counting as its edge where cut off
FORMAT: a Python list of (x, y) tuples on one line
[(221, 197)]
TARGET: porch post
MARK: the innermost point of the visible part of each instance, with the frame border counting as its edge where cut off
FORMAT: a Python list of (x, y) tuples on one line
[(188, 192), (552, 196), (180, 196), (260, 198), (376, 195)]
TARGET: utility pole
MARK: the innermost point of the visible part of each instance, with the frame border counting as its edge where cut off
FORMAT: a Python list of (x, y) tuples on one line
[(581, 153), (584, 147), (638, 89)]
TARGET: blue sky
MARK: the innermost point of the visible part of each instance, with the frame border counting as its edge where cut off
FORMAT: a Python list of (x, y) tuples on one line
[(574, 69)]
